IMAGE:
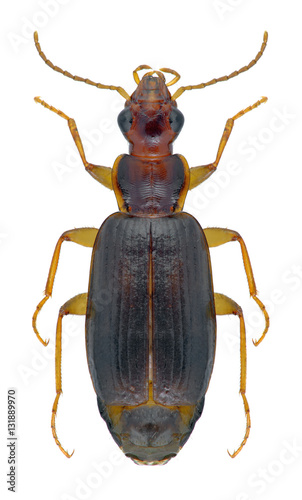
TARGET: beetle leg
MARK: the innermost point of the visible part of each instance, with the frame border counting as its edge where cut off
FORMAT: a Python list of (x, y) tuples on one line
[(76, 305), (98, 172), (83, 236), (224, 305), (201, 173), (218, 236)]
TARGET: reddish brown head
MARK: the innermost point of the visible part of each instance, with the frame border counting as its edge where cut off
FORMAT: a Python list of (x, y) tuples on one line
[(150, 120)]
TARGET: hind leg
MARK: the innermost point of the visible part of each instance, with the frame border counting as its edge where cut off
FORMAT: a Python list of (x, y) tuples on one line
[(224, 306), (77, 305)]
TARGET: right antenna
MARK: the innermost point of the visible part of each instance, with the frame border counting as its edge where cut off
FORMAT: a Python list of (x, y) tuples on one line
[(227, 77)]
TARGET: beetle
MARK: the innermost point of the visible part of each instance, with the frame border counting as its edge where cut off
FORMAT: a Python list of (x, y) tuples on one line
[(151, 344)]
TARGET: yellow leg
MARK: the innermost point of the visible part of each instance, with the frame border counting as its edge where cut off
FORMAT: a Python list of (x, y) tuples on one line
[(83, 236), (76, 305), (100, 173), (218, 236), (201, 173), (224, 305)]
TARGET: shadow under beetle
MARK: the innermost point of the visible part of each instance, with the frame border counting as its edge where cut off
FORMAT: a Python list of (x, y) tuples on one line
[(151, 348)]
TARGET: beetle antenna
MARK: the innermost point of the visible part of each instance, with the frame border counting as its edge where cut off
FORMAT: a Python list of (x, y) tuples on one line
[(227, 77), (120, 90)]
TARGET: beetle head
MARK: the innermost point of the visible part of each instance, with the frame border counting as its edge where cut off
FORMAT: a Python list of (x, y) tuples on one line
[(150, 120), (151, 89)]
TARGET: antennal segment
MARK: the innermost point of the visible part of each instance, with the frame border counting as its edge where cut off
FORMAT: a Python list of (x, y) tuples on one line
[(224, 78), (120, 90)]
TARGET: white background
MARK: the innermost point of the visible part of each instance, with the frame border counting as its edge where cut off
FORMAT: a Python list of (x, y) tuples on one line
[(256, 191)]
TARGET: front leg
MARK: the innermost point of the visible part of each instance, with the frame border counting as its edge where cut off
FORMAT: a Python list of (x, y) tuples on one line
[(100, 173), (201, 173)]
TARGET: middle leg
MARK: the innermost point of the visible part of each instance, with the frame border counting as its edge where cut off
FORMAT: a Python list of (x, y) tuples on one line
[(218, 236), (84, 236)]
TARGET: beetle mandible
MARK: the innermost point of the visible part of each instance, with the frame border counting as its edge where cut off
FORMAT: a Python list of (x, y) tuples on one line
[(151, 349)]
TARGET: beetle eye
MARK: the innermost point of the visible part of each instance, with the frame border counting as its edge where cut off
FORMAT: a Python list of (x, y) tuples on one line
[(176, 120), (125, 120)]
